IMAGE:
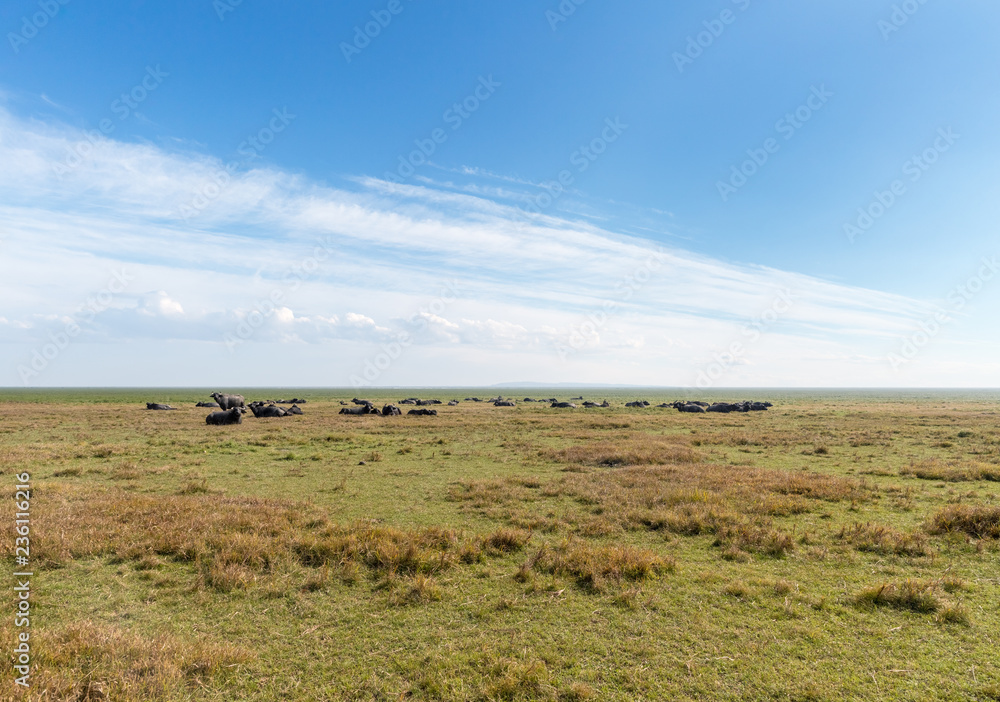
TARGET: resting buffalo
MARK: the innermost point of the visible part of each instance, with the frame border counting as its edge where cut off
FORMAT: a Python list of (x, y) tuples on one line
[(504, 403), (637, 403), (230, 416), (562, 404), (423, 411), (722, 407), (690, 407), (207, 404), (391, 411), (362, 402), (262, 410), (452, 403), (360, 409), (228, 401), (594, 404), (158, 406), (294, 409)]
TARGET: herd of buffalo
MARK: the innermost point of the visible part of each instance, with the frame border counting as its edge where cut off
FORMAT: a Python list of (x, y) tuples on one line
[(232, 407)]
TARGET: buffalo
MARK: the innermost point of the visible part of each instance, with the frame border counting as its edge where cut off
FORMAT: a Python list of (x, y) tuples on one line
[(228, 401), (562, 404), (504, 403), (261, 410), (423, 411), (207, 404), (230, 416), (158, 406), (637, 403), (594, 404), (690, 407), (391, 411), (362, 402), (452, 403), (360, 409), (721, 407)]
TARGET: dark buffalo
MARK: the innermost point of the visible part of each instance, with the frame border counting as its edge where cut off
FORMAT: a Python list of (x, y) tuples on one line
[(360, 409), (504, 403), (261, 410), (362, 402), (230, 416), (409, 401), (158, 406), (423, 411), (391, 411), (594, 404), (207, 404), (452, 403), (690, 407), (294, 409), (228, 401), (720, 407), (637, 403), (562, 404)]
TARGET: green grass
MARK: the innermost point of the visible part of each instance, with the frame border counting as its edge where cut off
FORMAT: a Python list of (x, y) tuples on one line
[(510, 553)]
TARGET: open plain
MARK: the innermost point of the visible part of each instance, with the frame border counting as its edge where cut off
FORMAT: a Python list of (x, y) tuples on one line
[(841, 545)]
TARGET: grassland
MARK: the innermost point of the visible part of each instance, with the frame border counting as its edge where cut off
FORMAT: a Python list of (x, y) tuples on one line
[(839, 546)]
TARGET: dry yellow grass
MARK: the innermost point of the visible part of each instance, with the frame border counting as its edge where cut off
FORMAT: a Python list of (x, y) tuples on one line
[(979, 521), (952, 471), (878, 538), (593, 566), (630, 450), (86, 660)]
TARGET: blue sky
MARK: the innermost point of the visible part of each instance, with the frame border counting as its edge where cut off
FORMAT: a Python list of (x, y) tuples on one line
[(569, 205)]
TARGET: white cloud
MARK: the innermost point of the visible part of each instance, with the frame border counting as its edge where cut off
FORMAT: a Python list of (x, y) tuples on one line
[(447, 270)]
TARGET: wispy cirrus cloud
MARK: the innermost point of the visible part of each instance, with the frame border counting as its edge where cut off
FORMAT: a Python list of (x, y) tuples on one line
[(387, 250)]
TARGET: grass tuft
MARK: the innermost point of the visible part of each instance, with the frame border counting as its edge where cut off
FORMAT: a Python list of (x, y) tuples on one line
[(981, 522), (876, 538)]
